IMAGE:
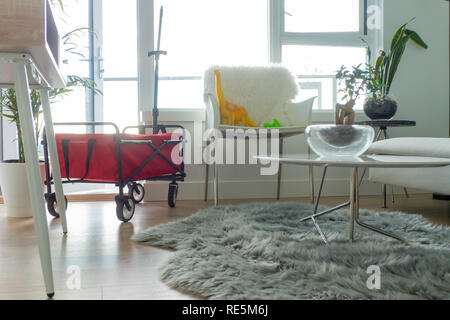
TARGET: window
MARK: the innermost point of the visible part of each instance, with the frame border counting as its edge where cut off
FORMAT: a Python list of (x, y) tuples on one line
[(75, 61), (118, 62), (321, 16), (201, 33), (108, 56), (313, 38)]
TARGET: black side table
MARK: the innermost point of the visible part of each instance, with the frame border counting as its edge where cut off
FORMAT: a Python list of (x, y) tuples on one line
[(382, 126)]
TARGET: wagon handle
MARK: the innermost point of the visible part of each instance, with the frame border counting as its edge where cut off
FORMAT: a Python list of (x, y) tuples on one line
[(116, 128)]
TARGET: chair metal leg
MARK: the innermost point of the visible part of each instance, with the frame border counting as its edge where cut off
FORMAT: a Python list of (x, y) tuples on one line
[(206, 181), (324, 238), (216, 184), (279, 170), (311, 178), (406, 192)]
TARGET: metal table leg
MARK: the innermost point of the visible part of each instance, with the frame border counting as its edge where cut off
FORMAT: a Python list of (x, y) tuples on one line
[(33, 173), (54, 162), (316, 206), (354, 209)]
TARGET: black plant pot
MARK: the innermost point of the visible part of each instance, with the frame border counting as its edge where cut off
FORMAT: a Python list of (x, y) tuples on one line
[(380, 109)]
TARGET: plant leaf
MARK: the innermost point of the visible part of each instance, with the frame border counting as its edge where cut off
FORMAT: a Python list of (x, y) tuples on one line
[(397, 36), (395, 61), (414, 37)]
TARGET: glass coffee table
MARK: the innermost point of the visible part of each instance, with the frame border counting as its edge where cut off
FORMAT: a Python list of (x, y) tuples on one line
[(354, 163)]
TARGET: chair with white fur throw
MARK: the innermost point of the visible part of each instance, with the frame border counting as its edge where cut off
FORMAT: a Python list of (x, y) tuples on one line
[(259, 95)]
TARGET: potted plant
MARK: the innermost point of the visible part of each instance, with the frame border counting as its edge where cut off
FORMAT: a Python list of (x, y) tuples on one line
[(353, 82), (379, 105), (13, 179)]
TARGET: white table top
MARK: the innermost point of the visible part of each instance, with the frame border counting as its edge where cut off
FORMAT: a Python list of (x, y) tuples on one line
[(366, 161)]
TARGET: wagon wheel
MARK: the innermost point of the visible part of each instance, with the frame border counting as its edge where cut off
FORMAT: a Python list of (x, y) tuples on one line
[(52, 205), (172, 196), (125, 208), (136, 192)]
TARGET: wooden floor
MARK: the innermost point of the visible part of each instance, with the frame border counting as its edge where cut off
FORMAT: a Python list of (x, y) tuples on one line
[(112, 266)]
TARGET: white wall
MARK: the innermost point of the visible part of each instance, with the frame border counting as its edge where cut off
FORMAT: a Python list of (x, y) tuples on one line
[(421, 88), (421, 85)]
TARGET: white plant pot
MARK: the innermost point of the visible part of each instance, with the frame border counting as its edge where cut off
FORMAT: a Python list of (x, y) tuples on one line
[(14, 184)]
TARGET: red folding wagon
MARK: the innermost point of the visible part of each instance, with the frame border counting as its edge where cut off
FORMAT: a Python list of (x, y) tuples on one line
[(120, 158)]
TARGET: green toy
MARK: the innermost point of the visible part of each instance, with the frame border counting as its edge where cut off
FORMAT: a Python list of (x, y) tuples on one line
[(275, 124)]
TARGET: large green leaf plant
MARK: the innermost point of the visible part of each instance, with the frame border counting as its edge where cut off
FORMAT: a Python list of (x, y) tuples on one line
[(386, 64)]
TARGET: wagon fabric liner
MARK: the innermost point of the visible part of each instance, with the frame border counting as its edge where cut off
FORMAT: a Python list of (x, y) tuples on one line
[(93, 157)]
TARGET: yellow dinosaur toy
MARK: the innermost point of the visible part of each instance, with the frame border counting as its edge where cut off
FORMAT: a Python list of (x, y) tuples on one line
[(230, 113)]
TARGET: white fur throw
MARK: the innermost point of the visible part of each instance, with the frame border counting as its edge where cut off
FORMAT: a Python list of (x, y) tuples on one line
[(263, 91)]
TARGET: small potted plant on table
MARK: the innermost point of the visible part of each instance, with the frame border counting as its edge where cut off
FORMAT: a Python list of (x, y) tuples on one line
[(353, 82)]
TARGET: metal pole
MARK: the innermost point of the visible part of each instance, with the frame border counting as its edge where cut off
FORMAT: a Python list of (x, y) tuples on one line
[(155, 94)]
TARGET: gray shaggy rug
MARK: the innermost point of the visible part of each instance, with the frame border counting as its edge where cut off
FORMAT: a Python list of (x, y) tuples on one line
[(262, 251)]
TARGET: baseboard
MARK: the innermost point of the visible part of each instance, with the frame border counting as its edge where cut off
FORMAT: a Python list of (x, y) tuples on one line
[(194, 190), (87, 197)]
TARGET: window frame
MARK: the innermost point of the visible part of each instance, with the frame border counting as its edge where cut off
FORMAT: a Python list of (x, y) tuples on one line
[(146, 43), (279, 38)]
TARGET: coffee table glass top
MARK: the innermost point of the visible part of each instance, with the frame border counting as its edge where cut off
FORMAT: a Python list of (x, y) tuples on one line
[(372, 161)]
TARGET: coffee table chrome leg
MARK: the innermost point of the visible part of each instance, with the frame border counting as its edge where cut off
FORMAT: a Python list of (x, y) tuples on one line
[(365, 225), (316, 206), (324, 238), (340, 206), (353, 200), (355, 212), (362, 177)]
